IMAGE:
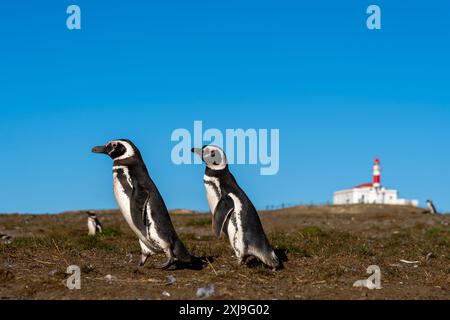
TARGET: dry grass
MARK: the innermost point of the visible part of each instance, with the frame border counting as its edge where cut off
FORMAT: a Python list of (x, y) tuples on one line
[(326, 250)]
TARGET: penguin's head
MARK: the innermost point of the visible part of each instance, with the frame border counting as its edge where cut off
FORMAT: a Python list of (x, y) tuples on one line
[(118, 149), (91, 214), (213, 156)]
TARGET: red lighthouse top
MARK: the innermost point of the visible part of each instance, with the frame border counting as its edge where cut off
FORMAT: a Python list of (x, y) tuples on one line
[(377, 161)]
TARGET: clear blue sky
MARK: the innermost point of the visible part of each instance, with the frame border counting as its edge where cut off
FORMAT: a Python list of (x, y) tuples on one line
[(339, 93)]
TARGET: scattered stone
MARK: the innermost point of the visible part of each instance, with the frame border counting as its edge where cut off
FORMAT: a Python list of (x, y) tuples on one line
[(171, 280), (166, 294), (110, 278), (130, 257), (52, 273), (88, 268), (206, 292)]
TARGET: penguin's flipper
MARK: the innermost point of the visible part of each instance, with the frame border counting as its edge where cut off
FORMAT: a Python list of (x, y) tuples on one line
[(221, 214), (138, 206), (98, 226)]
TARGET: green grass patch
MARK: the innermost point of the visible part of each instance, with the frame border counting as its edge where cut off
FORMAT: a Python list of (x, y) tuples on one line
[(315, 242), (367, 251), (439, 236), (62, 242), (93, 243), (111, 232), (312, 231), (199, 222)]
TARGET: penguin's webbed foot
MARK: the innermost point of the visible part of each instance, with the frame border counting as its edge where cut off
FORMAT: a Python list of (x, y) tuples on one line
[(242, 261), (170, 259), (279, 266), (170, 262), (143, 260)]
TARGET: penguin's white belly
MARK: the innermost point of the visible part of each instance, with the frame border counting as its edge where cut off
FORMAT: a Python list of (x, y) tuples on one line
[(91, 227), (212, 197), (124, 205), (145, 250), (235, 229)]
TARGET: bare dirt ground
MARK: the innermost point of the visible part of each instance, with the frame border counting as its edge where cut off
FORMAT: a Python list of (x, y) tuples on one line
[(327, 249)]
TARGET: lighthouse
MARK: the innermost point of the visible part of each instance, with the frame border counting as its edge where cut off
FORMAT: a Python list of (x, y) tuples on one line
[(377, 174), (371, 193)]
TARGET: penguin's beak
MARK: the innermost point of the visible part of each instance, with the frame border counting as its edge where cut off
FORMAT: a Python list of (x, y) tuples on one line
[(99, 149), (198, 151)]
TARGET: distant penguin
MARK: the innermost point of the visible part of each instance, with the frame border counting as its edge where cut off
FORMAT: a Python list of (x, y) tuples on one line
[(94, 225), (431, 207), (5, 239), (233, 213), (142, 205)]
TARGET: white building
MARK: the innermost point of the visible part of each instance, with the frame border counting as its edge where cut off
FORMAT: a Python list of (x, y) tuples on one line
[(371, 193)]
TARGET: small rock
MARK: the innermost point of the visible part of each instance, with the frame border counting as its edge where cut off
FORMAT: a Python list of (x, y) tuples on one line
[(206, 292), (166, 294), (7, 265), (110, 278), (52, 273), (130, 257), (430, 256), (171, 280)]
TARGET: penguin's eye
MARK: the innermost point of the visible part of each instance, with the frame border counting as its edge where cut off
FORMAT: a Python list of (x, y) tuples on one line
[(213, 154)]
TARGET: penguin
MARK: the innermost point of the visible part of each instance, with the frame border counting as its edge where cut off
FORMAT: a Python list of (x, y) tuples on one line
[(142, 205), (234, 215), (5, 239), (431, 207), (94, 225)]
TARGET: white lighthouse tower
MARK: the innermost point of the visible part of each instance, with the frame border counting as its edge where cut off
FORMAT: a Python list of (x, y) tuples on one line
[(371, 193), (377, 174)]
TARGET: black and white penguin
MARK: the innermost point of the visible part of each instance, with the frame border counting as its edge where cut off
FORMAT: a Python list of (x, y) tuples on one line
[(142, 205), (431, 207), (94, 225), (5, 239), (233, 213)]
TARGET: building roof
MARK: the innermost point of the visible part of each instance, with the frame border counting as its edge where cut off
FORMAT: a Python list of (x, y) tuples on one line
[(364, 185)]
